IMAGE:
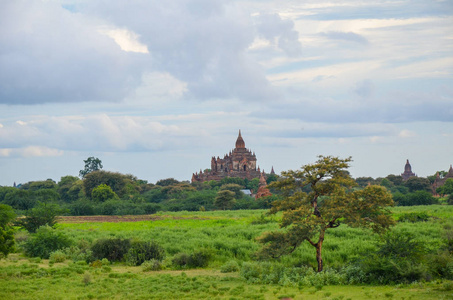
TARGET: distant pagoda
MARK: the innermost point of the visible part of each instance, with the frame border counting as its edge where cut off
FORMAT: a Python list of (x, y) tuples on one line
[(407, 171), (240, 162)]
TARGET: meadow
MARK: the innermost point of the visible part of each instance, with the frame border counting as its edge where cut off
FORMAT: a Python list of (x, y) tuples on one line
[(229, 236)]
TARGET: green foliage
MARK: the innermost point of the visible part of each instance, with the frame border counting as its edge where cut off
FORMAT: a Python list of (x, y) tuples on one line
[(167, 182), (7, 215), (82, 207), (414, 217), (447, 188), (19, 199), (42, 214), (57, 256), (141, 251), (398, 260), (45, 241), (112, 249), (152, 265), (121, 184), (198, 259), (277, 273), (415, 198), (235, 188), (418, 184), (91, 164), (69, 188), (224, 199), (102, 193), (230, 266), (330, 202)]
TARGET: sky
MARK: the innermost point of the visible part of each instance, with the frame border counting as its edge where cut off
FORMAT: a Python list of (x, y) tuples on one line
[(156, 88)]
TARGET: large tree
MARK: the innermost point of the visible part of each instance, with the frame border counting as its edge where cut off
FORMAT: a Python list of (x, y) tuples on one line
[(91, 164), (330, 202)]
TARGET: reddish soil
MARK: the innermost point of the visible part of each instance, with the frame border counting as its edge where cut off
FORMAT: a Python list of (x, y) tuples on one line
[(115, 219)]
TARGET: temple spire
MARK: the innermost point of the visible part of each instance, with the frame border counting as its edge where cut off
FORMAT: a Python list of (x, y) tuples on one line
[(240, 142)]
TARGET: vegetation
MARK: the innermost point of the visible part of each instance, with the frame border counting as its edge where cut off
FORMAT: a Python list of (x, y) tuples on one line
[(330, 202), (192, 246), (7, 215)]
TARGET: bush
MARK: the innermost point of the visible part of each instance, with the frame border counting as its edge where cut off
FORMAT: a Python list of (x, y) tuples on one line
[(198, 259), (77, 254), (414, 217), (151, 265), (181, 260), (57, 257), (230, 266), (45, 241), (139, 252), (42, 214), (112, 249)]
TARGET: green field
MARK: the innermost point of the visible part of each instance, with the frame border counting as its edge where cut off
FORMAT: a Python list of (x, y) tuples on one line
[(228, 236)]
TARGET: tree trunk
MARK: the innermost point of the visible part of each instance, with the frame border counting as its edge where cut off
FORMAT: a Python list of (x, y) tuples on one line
[(319, 255)]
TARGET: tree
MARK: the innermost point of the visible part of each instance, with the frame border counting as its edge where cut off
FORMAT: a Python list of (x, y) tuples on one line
[(42, 214), (330, 202), (447, 188), (91, 164), (7, 215), (235, 188), (103, 193), (225, 199), (418, 184)]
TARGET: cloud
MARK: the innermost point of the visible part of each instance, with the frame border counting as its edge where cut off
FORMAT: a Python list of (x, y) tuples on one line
[(280, 32), (30, 151), (345, 36), (364, 88), (48, 54)]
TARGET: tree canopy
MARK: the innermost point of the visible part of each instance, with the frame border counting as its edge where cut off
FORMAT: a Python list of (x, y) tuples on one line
[(91, 164), (330, 202)]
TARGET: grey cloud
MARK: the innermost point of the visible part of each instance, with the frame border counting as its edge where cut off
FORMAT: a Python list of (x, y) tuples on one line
[(48, 54), (393, 107), (345, 36), (364, 88), (276, 30), (203, 43), (52, 54)]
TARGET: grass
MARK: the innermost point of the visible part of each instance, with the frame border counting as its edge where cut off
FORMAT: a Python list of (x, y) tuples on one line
[(230, 235), (21, 279)]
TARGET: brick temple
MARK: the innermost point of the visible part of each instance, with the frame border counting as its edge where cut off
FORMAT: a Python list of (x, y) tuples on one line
[(240, 162)]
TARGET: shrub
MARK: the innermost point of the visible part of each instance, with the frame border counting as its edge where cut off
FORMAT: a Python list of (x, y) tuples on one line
[(139, 252), (230, 266), (414, 217), (45, 241), (57, 257), (198, 259), (181, 260), (151, 265), (42, 214), (77, 254), (112, 249)]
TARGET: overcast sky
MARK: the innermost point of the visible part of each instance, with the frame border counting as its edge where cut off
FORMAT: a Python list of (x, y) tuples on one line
[(156, 88)]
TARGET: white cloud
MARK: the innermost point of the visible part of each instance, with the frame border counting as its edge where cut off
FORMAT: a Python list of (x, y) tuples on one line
[(407, 133), (126, 39)]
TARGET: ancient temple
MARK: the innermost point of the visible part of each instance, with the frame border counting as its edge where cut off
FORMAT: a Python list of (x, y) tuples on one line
[(240, 162), (263, 191), (407, 171), (438, 182)]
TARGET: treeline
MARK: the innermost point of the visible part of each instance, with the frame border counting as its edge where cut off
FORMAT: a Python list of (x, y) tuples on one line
[(108, 193), (414, 191)]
